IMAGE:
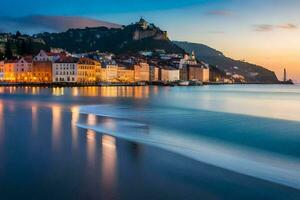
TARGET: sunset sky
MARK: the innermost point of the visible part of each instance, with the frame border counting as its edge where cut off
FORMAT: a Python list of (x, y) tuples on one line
[(265, 32)]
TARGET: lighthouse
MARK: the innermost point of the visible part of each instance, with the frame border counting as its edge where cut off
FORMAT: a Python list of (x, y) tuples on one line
[(284, 75)]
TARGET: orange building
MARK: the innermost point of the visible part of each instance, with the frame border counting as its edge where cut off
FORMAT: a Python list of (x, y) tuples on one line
[(42, 72), (125, 74), (109, 73), (198, 72), (9, 70), (141, 72)]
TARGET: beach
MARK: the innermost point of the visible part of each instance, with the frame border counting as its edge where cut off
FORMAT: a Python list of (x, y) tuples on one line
[(149, 142)]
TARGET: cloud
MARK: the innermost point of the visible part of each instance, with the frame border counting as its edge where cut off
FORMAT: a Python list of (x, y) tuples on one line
[(271, 27), (41, 23), (288, 26), (224, 13), (264, 27)]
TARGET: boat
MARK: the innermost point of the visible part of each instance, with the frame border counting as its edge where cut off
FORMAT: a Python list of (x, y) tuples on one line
[(183, 83)]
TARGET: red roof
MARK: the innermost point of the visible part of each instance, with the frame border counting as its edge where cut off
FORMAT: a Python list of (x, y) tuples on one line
[(28, 59)]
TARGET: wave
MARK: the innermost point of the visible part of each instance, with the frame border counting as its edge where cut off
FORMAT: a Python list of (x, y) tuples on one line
[(129, 125)]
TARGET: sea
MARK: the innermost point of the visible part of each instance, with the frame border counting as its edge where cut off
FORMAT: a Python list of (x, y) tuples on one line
[(150, 142)]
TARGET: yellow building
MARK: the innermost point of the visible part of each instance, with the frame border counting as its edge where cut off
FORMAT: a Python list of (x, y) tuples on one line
[(109, 73), (125, 74), (86, 70), (98, 70), (169, 74)]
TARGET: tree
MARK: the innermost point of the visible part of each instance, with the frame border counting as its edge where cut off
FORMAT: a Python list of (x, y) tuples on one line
[(22, 48), (18, 34), (8, 52)]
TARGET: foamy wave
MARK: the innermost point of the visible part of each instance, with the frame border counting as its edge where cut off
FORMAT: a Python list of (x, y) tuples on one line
[(267, 166)]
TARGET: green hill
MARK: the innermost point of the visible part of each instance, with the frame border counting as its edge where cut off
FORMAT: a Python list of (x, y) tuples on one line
[(253, 73)]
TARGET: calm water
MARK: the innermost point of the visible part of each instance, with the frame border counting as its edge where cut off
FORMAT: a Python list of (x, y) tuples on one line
[(213, 142)]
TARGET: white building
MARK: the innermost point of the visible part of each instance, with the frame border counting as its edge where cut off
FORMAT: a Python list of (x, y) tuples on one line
[(1, 70), (24, 64), (48, 56), (187, 60), (65, 70)]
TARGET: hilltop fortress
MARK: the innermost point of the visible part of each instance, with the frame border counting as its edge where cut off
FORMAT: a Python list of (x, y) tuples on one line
[(145, 30)]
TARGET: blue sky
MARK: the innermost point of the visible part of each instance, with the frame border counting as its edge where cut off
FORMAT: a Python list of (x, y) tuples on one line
[(261, 31)]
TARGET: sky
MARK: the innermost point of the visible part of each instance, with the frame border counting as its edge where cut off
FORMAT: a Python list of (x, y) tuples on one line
[(265, 32)]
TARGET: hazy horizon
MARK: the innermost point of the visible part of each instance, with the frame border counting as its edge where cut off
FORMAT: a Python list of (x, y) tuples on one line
[(260, 32)]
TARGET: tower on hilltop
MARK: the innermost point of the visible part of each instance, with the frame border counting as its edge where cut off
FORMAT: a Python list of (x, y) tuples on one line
[(143, 23)]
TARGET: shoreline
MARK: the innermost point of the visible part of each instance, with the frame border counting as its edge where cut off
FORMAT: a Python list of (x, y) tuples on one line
[(162, 84)]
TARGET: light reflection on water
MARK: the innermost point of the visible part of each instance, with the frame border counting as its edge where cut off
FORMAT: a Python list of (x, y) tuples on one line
[(109, 157), (91, 147), (58, 91), (34, 117), (75, 119), (134, 92), (1, 121), (56, 126), (267, 103)]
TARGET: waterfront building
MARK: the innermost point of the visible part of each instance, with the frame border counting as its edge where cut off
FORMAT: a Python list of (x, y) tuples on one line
[(184, 65), (154, 73), (42, 72), (125, 74), (65, 70), (1, 70), (98, 70), (23, 69), (187, 60), (9, 70), (198, 72), (109, 72), (184, 73), (48, 56), (86, 70), (141, 72), (169, 74)]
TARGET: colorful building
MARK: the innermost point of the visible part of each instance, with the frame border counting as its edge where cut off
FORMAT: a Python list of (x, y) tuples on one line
[(169, 74), (23, 70), (42, 72), (198, 72), (154, 73), (125, 74), (64, 70), (1, 70), (9, 70), (141, 72), (86, 70), (48, 56), (109, 72)]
